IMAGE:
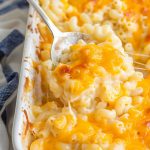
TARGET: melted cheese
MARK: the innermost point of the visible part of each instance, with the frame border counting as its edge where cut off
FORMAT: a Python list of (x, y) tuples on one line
[(86, 63)]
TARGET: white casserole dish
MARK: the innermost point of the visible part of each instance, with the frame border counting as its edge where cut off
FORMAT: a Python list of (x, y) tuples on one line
[(20, 134)]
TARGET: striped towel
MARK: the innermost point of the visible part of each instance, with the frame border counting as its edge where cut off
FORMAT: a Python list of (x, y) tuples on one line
[(13, 15)]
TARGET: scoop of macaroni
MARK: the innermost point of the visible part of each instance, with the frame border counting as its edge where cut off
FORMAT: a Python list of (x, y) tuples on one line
[(94, 99)]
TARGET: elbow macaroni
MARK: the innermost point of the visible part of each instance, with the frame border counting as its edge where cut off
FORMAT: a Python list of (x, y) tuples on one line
[(94, 99)]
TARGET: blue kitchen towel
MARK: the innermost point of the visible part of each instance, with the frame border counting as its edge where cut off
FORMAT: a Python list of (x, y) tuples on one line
[(7, 45), (13, 16)]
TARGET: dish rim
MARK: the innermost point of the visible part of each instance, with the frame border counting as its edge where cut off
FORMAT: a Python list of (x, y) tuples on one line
[(19, 120)]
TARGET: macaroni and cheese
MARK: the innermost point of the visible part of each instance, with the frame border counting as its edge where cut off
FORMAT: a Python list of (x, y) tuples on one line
[(96, 98)]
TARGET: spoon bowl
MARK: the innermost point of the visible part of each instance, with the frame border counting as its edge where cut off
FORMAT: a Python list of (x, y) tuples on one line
[(64, 41)]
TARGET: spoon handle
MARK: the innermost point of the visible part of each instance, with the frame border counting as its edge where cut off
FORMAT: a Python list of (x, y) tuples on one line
[(55, 31)]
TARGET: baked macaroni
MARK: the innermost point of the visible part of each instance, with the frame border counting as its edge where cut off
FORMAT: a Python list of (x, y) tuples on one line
[(95, 98)]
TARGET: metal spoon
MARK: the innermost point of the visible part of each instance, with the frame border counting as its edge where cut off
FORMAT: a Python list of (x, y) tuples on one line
[(61, 40)]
